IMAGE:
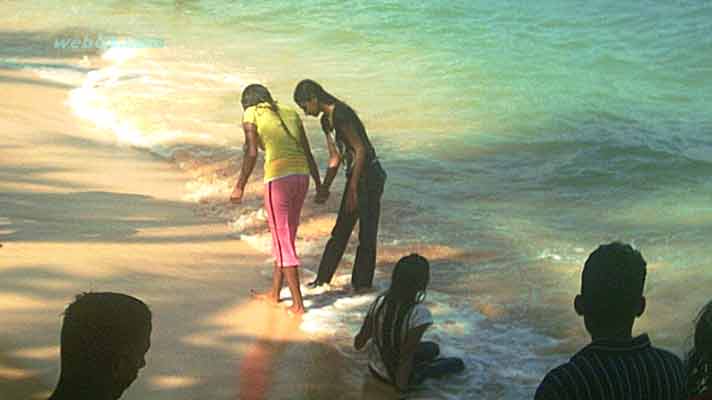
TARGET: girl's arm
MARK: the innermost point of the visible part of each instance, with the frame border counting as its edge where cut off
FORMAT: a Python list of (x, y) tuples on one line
[(334, 160), (313, 169), (248, 161), (365, 333), (359, 161), (405, 363), (332, 168)]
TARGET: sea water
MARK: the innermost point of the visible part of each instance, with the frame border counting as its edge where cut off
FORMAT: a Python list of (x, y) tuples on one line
[(517, 137)]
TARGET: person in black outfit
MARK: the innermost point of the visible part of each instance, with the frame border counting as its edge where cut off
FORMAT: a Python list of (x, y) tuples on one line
[(364, 185), (615, 365)]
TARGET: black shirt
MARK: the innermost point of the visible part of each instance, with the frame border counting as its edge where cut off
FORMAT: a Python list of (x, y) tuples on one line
[(344, 117), (617, 370)]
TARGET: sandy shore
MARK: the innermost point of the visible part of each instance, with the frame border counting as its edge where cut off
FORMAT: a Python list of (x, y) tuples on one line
[(80, 214)]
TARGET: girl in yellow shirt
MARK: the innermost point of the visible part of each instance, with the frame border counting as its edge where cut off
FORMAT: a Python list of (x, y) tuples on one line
[(279, 132)]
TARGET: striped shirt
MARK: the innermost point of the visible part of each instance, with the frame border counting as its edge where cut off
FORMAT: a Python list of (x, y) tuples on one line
[(616, 370)]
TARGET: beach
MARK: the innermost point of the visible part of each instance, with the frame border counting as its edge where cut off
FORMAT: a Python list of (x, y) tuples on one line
[(79, 215), (516, 138)]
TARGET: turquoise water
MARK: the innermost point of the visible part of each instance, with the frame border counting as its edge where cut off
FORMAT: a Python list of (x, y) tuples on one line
[(530, 133)]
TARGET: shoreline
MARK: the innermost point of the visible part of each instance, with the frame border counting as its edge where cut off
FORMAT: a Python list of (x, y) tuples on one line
[(83, 215), (75, 182)]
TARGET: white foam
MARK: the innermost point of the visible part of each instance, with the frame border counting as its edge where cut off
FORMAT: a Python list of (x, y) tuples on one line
[(547, 254), (120, 55), (249, 219), (5, 222), (198, 190), (355, 302), (95, 102), (460, 331)]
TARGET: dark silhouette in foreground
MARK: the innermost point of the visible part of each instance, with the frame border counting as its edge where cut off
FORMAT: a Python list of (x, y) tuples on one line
[(615, 365), (699, 359), (105, 337)]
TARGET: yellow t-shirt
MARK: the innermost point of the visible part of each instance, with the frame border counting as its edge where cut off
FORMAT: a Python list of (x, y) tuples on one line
[(283, 154)]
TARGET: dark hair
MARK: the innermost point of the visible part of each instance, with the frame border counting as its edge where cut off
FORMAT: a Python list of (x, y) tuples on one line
[(98, 328), (307, 89), (408, 284), (612, 281), (698, 361), (255, 94)]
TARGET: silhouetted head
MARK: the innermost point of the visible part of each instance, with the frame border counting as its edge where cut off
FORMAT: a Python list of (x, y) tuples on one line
[(410, 277), (612, 290), (105, 337), (255, 94), (699, 359), (703, 331), (310, 97)]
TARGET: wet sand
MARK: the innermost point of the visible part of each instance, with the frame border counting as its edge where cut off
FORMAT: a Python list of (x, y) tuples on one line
[(81, 214)]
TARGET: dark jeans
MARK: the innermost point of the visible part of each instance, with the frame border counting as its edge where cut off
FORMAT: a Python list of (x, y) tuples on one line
[(370, 189), (428, 365)]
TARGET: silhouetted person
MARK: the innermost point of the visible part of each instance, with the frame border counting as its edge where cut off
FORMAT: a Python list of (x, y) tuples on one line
[(104, 339), (615, 365), (699, 360)]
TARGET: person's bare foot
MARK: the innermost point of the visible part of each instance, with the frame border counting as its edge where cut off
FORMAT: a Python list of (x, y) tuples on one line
[(266, 297), (295, 311)]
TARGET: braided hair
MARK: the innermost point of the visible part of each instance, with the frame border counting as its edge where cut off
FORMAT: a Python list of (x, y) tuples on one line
[(408, 283), (698, 361)]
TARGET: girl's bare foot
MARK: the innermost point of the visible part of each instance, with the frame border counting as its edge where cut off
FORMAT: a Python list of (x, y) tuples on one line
[(266, 297), (295, 311)]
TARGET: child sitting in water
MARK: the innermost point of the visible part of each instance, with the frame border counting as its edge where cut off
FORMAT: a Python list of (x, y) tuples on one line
[(699, 359), (394, 327)]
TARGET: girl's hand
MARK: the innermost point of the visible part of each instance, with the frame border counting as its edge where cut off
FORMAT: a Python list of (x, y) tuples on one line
[(322, 194), (236, 196)]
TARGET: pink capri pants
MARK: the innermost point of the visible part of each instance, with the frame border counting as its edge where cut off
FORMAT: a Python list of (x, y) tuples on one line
[(284, 198)]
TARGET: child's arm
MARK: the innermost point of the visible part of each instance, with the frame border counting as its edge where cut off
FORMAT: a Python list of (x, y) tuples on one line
[(248, 161), (405, 363), (365, 333)]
